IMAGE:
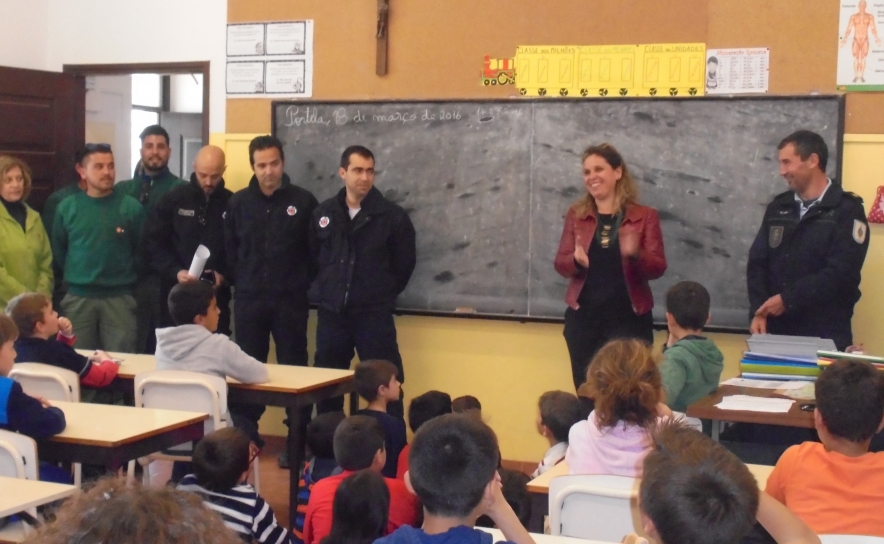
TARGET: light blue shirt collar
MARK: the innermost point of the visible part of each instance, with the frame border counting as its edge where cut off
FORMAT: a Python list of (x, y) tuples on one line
[(802, 209)]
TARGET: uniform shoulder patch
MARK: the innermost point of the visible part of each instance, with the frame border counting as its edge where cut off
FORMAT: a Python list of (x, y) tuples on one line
[(323, 221), (860, 231)]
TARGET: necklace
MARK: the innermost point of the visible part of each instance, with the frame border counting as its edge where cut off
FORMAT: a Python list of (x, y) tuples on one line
[(608, 231)]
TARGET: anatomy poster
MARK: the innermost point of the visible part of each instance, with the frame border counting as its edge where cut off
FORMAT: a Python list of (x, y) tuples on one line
[(860, 47)]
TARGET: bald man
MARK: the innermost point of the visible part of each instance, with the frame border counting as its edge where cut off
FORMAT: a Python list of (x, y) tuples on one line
[(186, 217)]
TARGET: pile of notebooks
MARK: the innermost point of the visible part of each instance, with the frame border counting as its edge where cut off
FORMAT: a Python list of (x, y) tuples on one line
[(779, 357), (825, 358)]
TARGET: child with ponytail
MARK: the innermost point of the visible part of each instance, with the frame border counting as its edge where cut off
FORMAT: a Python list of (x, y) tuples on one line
[(624, 381)]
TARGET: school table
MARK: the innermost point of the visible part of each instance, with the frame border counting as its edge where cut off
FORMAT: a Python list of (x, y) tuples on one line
[(539, 538), (113, 435), (19, 494), (539, 489), (291, 387), (705, 409)]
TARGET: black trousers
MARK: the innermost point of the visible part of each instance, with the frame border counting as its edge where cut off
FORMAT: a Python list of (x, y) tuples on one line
[(255, 320), (372, 334), (222, 298), (586, 332)]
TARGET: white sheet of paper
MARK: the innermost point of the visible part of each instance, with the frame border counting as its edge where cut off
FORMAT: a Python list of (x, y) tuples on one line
[(199, 261), (757, 384), (755, 404), (245, 77), (284, 77), (287, 38), (245, 40)]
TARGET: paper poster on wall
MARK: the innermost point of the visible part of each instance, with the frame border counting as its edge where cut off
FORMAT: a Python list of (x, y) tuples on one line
[(737, 71), (498, 71), (611, 70), (245, 78), (285, 63), (244, 40), (860, 48)]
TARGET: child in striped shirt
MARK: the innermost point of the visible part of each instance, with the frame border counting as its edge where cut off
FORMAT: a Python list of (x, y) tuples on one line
[(221, 464)]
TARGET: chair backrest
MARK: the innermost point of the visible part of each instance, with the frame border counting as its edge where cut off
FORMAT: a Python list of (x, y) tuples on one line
[(851, 539), (18, 456), (183, 390), (594, 507), (47, 381)]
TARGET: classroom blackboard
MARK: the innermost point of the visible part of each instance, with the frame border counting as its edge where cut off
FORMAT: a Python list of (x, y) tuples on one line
[(487, 184)]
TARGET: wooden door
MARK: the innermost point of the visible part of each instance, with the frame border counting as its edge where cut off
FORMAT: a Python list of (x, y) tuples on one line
[(43, 122)]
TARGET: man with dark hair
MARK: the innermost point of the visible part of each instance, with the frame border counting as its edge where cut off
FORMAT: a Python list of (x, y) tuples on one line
[(358, 445), (95, 241), (148, 189), (185, 218), (804, 267), (693, 491), (836, 486), (453, 471), (557, 412), (365, 248), (692, 363), (266, 230)]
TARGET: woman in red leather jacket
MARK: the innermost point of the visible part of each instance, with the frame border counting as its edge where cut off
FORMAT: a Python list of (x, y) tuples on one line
[(611, 247)]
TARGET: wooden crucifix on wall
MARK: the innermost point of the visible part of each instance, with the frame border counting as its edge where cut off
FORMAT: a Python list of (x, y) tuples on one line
[(383, 31)]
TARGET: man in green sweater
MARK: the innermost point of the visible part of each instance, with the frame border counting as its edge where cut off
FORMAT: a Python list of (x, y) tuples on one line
[(148, 189), (692, 364), (95, 239), (59, 289)]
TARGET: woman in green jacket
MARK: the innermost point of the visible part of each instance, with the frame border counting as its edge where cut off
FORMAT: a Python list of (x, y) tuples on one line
[(25, 256)]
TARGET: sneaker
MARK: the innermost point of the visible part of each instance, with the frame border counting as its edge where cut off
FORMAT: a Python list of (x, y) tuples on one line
[(283, 460)]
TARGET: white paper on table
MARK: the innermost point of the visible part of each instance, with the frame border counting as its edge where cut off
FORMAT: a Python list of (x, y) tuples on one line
[(199, 261), (765, 384), (755, 404)]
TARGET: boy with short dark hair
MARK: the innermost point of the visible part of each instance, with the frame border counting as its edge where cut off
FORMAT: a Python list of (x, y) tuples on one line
[(453, 470), (837, 486), (694, 491), (358, 445), (692, 364), (376, 381), (191, 344), (557, 412), (423, 408), (322, 464), (221, 463), (466, 403), (46, 338)]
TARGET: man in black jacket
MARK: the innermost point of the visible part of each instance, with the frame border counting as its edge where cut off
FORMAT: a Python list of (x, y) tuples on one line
[(268, 260), (803, 273), (185, 218), (365, 249)]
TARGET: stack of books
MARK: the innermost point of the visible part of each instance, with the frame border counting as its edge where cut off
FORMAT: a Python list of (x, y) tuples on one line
[(778, 357), (825, 358)]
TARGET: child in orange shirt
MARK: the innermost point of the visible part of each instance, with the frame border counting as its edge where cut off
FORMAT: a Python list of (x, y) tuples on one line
[(837, 487)]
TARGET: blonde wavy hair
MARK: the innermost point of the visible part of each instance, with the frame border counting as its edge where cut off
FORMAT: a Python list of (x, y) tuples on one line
[(625, 192), (625, 383), (7, 163)]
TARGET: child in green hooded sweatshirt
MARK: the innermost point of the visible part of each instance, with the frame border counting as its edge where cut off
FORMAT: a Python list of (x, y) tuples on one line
[(692, 363)]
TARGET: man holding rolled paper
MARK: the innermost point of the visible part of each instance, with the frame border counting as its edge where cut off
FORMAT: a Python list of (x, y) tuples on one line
[(186, 218)]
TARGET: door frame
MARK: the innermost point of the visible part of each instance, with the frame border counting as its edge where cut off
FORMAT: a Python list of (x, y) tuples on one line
[(194, 67)]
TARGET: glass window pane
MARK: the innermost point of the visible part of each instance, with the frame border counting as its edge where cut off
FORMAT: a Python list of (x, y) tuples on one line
[(147, 90), (140, 120)]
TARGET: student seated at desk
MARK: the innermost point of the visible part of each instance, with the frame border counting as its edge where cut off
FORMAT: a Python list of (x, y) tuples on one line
[(837, 486), (692, 363), (376, 382), (694, 491), (423, 408), (46, 338), (453, 470), (557, 412), (624, 381), (359, 445), (191, 345), (222, 462)]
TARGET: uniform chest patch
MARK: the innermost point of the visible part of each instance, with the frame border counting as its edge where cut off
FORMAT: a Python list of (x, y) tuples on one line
[(323, 222), (775, 237), (291, 210), (120, 230), (860, 230), (186, 213)]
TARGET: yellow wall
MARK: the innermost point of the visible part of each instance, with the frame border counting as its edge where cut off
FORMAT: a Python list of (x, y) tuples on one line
[(509, 365)]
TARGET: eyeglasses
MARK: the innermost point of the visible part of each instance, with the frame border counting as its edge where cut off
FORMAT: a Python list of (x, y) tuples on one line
[(103, 148)]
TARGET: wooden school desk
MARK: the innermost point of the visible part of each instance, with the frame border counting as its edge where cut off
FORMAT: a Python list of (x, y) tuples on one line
[(539, 538), (19, 494), (114, 435), (705, 409), (539, 489), (289, 386)]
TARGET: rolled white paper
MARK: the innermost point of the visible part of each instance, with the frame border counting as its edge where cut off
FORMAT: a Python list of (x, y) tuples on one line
[(199, 261)]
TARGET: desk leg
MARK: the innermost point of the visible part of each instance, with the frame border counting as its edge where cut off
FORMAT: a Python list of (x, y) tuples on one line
[(539, 509), (716, 429), (297, 437), (354, 403)]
